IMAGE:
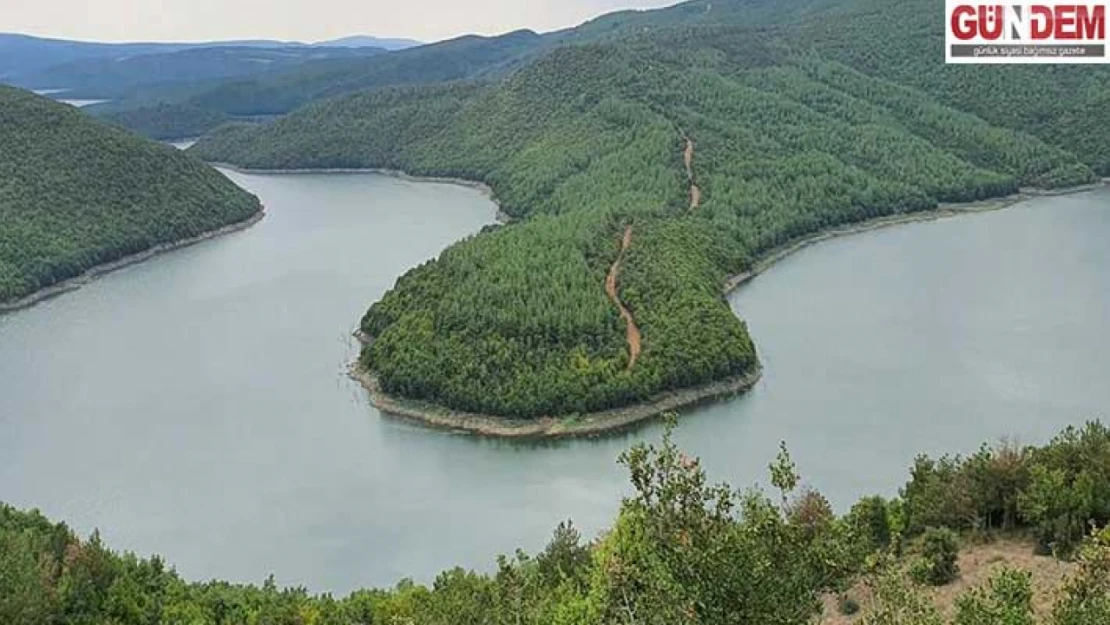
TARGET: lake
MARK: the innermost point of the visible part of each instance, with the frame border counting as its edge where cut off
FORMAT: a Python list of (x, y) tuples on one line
[(56, 93), (82, 103), (196, 405)]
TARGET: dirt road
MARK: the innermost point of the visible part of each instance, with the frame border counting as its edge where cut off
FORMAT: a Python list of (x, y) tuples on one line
[(632, 332)]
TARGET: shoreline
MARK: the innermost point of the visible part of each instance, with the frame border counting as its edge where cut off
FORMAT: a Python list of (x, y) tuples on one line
[(942, 211), (94, 272), (610, 421), (500, 216)]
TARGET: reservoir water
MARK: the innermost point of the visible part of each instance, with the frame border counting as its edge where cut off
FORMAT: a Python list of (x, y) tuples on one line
[(196, 405), (82, 103), (57, 93)]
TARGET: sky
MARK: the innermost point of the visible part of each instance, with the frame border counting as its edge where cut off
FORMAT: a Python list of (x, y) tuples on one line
[(300, 20)]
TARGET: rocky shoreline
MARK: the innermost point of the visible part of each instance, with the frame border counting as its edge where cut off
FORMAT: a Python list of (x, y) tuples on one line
[(94, 272), (567, 426)]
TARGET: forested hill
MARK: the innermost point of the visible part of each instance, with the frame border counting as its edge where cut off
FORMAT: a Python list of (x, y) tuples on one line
[(790, 129), (75, 193)]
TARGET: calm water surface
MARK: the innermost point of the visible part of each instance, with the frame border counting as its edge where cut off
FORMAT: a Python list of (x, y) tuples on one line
[(82, 103), (195, 405), (55, 93)]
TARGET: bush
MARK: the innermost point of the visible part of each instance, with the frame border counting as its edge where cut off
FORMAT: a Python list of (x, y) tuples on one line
[(1007, 600), (937, 566), (1085, 599), (898, 603), (847, 605)]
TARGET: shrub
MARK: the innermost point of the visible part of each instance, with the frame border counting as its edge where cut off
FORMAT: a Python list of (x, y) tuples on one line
[(847, 605), (1085, 597), (897, 603), (940, 549), (1007, 600)]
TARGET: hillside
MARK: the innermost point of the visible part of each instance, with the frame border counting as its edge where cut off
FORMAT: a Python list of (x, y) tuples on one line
[(165, 122), (590, 139), (76, 193), (680, 552)]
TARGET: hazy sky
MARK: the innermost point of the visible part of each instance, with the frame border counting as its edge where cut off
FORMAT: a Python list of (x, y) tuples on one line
[(305, 20)]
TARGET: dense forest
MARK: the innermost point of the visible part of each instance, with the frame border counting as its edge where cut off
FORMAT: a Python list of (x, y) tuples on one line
[(165, 122), (76, 193), (682, 551), (794, 130)]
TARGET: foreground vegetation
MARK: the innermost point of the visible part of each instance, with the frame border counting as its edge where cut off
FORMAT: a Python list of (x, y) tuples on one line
[(795, 129), (76, 193), (681, 550)]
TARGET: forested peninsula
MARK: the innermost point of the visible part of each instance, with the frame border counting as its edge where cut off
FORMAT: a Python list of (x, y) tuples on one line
[(681, 551), (78, 196), (652, 158)]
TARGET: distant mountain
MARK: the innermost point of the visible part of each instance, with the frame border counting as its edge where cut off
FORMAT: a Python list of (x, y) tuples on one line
[(366, 41), (111, 77), (76, 193), (469, 57), (23, 56)]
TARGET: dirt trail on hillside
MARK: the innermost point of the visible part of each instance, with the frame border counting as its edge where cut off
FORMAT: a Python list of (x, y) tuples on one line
[(688, 159), (632, 332)]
